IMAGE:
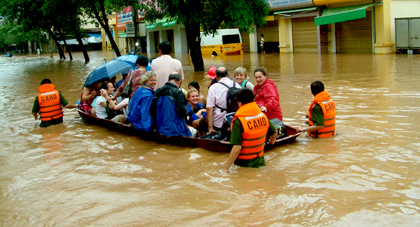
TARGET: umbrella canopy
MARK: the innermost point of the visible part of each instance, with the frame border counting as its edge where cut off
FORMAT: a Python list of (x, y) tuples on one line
[(131, 59), (107, 71), (128, 58)]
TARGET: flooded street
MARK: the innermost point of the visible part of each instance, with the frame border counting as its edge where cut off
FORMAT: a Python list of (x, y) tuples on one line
[(76, 174)]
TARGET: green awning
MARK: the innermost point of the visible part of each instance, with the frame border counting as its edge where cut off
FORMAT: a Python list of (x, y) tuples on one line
[(169, 23), (152, 26), (165, 23), (296, 10), (341, 14)]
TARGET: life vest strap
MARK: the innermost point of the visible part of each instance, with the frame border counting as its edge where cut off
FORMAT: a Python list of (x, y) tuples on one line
[(50, 110), (253, 146), (254, 138), (49, 106), (253, 153), (49, 118), (319, 133)]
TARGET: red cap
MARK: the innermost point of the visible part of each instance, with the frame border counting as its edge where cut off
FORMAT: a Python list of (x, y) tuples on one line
[(211, 73)]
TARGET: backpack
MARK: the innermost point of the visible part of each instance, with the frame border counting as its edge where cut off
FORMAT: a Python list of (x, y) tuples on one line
[(231, 102)]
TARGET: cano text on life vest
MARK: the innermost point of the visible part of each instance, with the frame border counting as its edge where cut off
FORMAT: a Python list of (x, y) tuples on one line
[(257, 123), (329, 106), (45, 98)]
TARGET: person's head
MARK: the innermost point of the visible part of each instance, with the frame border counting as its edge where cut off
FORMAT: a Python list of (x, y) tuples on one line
[(245, 96), (175, 78), (262, 35), (165, 47), (221, 72), (193, 96), (108, 87), (194, 84), (240, 75), (113, 79), (149, 79), (260, 75), (317, 87), (142, 61), (45, 81)]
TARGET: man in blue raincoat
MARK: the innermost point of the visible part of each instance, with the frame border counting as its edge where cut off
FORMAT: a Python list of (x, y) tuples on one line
[(170, 108)]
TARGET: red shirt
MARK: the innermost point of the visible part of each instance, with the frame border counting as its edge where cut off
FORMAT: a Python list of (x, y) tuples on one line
[(135, 81)]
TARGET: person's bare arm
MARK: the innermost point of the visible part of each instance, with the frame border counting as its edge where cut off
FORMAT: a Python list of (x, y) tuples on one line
[(236, 149), (210, 120), (109, 100), (71, 106), (273, 138), (117, 94), (86, 96), (310, 128)]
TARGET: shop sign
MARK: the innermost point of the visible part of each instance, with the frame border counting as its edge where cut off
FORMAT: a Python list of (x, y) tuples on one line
[(130, 29), (125, 16)]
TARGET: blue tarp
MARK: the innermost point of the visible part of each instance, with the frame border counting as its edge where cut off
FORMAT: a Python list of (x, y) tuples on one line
[(139, 110), (96, 35), (167, 121)]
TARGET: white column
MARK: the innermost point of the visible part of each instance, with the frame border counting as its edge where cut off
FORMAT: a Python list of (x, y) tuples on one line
[(253, 41)]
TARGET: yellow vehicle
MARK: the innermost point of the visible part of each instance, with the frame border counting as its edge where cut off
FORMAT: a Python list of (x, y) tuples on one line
[(224, 42)]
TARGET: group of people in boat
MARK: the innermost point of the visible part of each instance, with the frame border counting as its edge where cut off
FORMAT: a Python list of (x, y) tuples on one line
[(154, 100)]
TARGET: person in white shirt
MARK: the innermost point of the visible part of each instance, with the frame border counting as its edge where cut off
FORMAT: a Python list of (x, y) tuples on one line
[(165, 65), (262, 44), (216, 100)]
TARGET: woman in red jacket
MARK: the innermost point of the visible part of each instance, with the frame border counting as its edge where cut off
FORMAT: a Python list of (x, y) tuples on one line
[(267, 95)]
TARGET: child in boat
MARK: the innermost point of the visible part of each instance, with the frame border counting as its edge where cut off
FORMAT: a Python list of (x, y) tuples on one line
[(201, 98), (197, 113)]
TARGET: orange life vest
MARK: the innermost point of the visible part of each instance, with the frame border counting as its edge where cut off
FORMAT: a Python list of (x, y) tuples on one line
[(328, 111), (255, 125), (49, 103)]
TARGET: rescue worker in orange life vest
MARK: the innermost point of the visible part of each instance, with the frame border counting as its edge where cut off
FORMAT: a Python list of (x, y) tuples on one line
[(249, 129), (48, 104), (321, 113)]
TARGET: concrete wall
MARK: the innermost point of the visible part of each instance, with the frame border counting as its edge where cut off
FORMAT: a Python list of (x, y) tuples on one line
[(178, 38)]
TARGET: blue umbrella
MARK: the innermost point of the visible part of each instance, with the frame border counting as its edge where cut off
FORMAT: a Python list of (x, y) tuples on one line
[(107, 71), (131, 59)]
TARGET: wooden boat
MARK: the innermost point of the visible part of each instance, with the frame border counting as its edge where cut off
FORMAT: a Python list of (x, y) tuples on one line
[(211, 145)]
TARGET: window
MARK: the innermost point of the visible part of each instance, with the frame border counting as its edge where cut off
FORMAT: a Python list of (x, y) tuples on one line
[(227, 39)]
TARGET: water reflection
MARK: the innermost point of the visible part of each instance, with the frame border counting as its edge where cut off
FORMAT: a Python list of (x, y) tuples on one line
[(76, 174)]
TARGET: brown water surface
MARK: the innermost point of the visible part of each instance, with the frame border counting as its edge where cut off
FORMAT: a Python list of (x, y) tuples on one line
[(76, 174)]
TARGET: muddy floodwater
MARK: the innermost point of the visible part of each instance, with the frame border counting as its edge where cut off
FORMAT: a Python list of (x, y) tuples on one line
[(77, 174)]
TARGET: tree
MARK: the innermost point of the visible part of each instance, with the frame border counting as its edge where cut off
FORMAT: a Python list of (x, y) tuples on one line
[(99, 9), (51, 16), (207, 15), (65, 16), (12, 33)]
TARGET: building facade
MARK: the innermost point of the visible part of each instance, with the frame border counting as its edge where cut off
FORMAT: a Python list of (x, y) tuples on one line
[(305, 26)]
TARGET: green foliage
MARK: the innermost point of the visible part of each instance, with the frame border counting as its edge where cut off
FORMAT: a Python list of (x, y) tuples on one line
[(33, 16), (12, 33)]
